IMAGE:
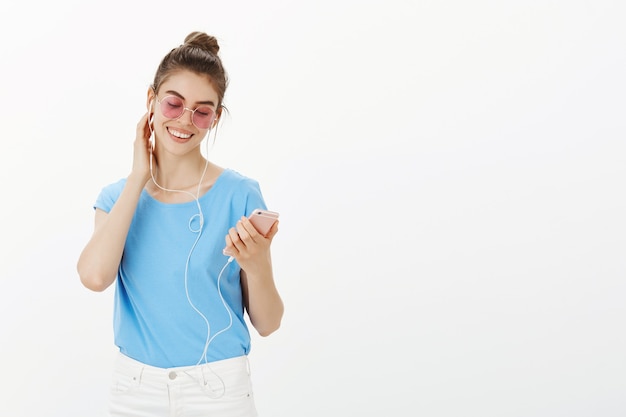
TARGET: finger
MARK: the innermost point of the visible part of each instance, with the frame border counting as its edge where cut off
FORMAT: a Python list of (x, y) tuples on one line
[(244, 234), (248, 229), (143, 127), (233, 234), (142, 123), (229, 249), (273, 231)]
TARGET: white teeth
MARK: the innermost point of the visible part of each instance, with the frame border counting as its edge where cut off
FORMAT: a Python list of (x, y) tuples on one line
[(179, 134)]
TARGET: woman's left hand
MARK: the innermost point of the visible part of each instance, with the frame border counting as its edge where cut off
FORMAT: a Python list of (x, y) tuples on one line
[(249, 247)]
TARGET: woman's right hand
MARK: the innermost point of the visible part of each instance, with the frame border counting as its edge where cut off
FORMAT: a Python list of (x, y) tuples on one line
[(142, 149)]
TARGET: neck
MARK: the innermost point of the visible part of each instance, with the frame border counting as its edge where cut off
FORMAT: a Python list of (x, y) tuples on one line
[(175, 177)]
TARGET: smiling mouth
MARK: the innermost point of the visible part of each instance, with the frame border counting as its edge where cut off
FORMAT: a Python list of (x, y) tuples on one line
[(178, 134)]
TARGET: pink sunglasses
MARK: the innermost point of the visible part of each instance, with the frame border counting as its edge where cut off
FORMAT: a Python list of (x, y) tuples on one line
[(173, 107)]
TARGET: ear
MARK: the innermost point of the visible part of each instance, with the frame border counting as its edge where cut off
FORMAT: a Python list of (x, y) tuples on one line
[(218, 116), (151, 96)]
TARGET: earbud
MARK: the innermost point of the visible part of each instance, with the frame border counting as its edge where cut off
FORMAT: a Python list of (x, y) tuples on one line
[(150, 119)]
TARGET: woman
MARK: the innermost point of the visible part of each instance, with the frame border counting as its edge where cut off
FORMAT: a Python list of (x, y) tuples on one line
[(175, 238)]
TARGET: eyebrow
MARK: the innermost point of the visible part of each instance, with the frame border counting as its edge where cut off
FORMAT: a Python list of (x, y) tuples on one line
[(176, 93)]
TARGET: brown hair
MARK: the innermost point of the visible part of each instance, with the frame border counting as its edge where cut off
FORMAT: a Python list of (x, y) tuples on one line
[(198, 54)]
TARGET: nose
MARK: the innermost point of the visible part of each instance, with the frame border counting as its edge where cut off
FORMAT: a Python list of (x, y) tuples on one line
[(184, 118)]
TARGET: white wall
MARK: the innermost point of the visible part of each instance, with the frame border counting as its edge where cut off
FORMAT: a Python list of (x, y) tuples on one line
[(450, 177)]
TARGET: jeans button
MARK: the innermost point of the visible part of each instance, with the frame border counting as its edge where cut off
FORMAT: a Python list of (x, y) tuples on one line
[(172, 375)]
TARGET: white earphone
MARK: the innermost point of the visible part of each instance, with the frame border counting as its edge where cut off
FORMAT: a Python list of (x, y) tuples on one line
[(150, 119)]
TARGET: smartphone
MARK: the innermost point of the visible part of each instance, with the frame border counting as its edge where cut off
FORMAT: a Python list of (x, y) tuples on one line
[(262, 220)]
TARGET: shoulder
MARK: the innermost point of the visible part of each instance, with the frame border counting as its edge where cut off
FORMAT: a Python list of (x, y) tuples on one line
[(115, 186), (238, 181), (109, 195), (243, 191)]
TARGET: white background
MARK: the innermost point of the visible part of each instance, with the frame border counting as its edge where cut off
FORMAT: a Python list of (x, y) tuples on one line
[(450, 177)]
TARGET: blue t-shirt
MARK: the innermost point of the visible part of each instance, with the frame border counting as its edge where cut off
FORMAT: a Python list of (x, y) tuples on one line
[(164, 276)]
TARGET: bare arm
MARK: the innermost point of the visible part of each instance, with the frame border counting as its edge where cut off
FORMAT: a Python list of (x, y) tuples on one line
[(252, 252), (99, 261)]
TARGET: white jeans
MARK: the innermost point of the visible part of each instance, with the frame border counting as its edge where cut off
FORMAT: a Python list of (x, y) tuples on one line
[(221, 388)]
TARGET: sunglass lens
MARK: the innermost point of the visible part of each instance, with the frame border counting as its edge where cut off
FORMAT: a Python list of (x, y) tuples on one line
[(203, 117), (172, 107)]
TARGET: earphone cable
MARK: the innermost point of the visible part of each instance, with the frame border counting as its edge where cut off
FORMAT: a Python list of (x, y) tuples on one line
[(198, 230)]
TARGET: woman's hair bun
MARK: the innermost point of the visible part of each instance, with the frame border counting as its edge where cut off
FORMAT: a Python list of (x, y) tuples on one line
[(203, 41)]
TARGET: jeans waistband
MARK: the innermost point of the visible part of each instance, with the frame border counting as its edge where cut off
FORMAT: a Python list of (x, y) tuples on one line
[(198, 372)]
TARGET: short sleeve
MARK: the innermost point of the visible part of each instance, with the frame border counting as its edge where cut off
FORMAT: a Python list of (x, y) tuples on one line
[(109, 195)]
